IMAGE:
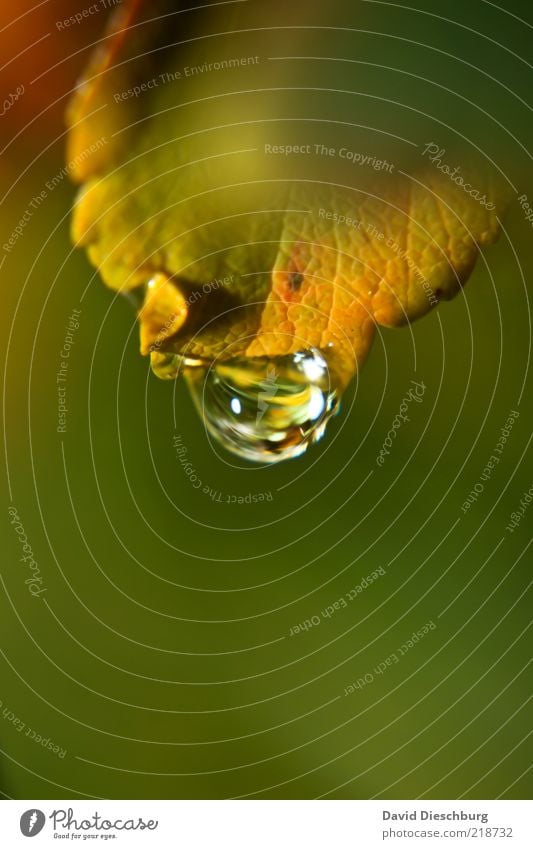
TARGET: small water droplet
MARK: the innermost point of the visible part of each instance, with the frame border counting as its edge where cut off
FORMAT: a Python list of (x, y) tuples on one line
[(163, 313), (295, 281), (165, 366), (265, 409)]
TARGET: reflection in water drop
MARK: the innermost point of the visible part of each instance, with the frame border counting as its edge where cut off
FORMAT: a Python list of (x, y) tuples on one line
[(265, 409)]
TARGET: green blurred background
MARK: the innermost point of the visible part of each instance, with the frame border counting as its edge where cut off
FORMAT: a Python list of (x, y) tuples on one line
[(160, 658)]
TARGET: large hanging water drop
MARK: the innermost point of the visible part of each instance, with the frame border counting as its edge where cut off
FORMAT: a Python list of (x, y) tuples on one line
[(265, 409)]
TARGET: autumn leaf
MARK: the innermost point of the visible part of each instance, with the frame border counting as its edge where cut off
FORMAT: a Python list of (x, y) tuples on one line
[(212, 197)]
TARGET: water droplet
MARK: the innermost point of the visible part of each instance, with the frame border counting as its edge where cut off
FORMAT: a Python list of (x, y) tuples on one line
[(265, 409), (169, 366)]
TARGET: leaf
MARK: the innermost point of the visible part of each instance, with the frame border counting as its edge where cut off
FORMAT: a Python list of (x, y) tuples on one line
[(257, 252)]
